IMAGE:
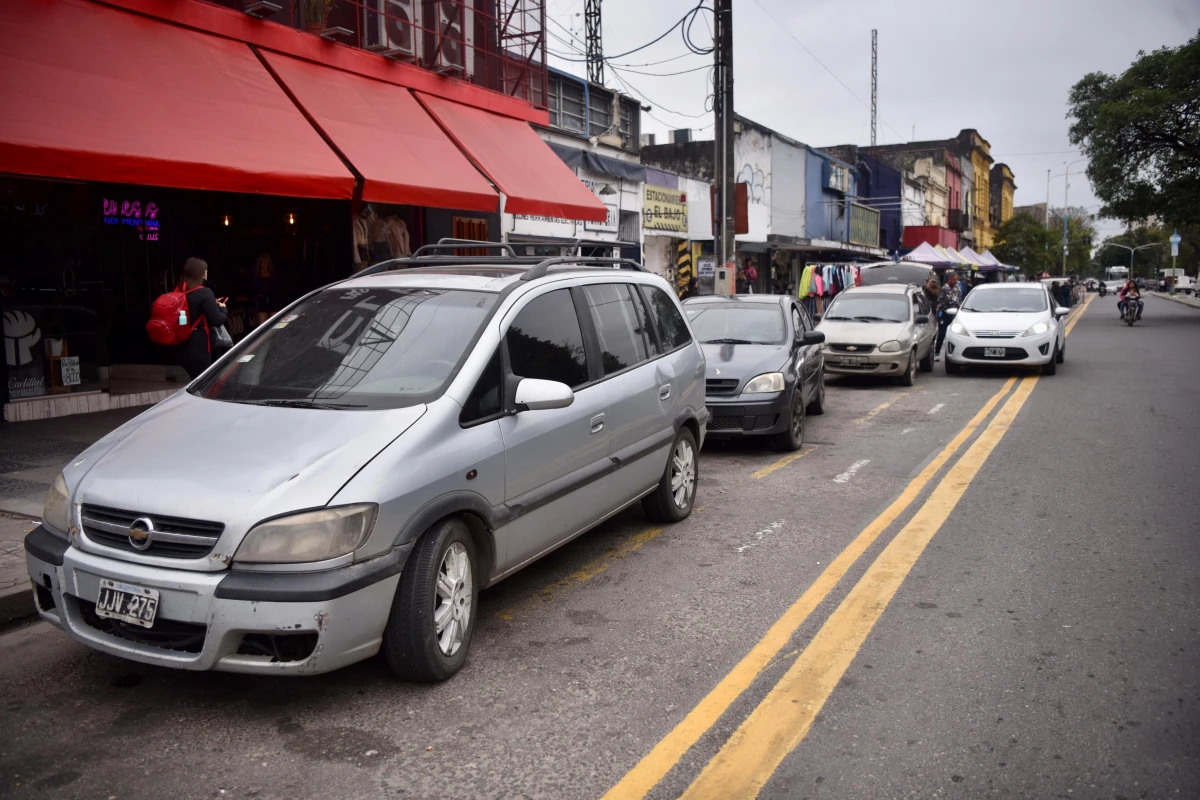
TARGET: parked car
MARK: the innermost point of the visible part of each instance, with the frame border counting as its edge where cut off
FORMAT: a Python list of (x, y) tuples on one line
[(347, 479), (765, 369), (1007, 323), (879, 330)]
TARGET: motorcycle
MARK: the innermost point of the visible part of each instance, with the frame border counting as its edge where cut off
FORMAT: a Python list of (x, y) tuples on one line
[(1131, 311), (1103, 290)]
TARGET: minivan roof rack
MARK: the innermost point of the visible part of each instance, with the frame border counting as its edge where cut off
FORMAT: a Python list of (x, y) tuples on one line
[(539, 270), (448, 243)]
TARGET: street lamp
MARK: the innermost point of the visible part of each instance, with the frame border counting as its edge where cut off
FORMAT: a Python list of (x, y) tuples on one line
[(1066, 215), (1132, 250)]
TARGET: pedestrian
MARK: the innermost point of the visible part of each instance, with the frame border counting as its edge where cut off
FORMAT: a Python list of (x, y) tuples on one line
[(1056, 293), (690, 290), (195, 355), (742, 285), (932, 290), (949, 297)]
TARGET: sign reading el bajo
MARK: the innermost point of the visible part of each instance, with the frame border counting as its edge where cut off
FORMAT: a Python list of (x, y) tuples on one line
[(664, 209)]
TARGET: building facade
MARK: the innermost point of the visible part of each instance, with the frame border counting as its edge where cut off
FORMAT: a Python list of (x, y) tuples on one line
[(1002, 188)]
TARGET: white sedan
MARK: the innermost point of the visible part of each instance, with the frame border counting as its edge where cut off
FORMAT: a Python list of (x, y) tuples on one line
[(1007, 323)]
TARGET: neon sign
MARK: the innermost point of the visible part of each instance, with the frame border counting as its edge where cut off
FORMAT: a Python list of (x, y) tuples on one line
[(134, 214)]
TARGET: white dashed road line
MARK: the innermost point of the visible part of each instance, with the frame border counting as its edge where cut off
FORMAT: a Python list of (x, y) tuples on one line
[(907, 430), (848, 474), (758, 535), (937, 408)]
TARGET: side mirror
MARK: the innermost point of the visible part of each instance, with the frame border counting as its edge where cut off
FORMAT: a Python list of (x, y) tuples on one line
[(1061, 312), (816, 318), (813, 337), (950, 312), (922, 319), (539, 395)]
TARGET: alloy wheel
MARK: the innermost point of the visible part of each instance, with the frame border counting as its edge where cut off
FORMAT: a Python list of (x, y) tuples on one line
[(797, 421), (452, 617), (683, 473)]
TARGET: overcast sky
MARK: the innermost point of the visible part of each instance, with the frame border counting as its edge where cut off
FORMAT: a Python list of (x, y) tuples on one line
[(1002, 68)]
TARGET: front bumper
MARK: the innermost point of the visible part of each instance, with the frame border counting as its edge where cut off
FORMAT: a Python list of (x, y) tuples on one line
[(740, 416), (1018, 351), (873, 363), (224, 621)]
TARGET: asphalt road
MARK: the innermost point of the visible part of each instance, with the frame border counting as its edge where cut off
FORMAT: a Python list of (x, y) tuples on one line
[(908, 609)]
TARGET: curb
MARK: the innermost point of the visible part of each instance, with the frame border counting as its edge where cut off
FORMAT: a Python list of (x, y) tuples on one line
[(16, 604), (1174, 299)]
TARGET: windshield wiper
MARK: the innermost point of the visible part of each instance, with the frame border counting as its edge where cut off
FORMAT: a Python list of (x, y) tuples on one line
[(729, 341), (301, 404), (874, 319), (844, 318)]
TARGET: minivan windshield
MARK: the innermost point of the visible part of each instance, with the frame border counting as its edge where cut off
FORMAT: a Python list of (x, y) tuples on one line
[(1026, 299), (737, 323), (355, 348), (869, 308)]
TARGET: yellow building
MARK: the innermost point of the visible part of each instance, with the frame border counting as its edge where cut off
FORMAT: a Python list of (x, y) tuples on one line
[(981, 164)]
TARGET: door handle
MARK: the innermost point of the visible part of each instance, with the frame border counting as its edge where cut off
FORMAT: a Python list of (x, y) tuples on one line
[(597, 423), (664, 392)]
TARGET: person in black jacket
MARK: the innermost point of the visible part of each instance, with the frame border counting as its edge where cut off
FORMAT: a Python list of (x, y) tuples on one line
[(195, 355)]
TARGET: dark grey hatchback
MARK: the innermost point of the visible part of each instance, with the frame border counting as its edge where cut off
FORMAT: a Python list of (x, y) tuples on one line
[(765, 367)]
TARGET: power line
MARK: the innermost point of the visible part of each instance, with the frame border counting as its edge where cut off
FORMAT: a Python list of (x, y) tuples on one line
[(684, 22), (822, 63), (631, 89)]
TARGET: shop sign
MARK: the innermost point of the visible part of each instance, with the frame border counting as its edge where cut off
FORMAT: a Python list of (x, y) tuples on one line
[(706, 266), (134, 214), (24, 354), (664, 209), (70, 370), (611, 224)]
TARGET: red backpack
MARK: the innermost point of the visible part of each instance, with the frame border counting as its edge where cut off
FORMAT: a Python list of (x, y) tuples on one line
[(169, 324)]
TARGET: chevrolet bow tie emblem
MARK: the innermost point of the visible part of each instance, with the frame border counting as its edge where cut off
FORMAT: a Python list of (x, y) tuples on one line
[(851, 348), (141, 532), (716, 372)]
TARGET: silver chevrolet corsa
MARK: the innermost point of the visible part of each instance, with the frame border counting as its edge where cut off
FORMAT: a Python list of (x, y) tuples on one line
[(348, 478)]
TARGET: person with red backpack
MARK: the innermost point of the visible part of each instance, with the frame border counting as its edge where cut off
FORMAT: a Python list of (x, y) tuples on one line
[(186, 318)]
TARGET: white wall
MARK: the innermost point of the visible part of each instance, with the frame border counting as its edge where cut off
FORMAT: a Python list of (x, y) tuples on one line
[(699, 208), (787, 189), (752, 162), (659, 253)]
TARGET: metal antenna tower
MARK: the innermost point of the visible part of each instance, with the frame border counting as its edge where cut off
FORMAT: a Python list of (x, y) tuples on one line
[(874, 80), (595, 48)]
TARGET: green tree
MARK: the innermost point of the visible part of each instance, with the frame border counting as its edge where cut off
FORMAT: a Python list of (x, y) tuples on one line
[(1149, 262), (1081, 239), (1141, 133), (1024, 242)]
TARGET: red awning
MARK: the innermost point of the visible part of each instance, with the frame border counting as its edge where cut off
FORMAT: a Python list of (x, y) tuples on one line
[(534, 180), (402, 154), (95, 93)]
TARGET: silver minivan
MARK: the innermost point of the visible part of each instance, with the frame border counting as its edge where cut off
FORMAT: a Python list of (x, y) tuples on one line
[(347, 479)]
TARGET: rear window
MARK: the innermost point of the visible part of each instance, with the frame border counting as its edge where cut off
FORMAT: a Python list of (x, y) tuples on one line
[(357, 348)]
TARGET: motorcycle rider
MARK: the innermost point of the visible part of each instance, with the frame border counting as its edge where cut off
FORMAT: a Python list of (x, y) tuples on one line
[(1130, 292)]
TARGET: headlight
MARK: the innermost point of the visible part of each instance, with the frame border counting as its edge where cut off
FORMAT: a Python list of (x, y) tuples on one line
[(959, 328), (57, 513), (890, 347), (1037, 329), (311, 536), (770, 382)]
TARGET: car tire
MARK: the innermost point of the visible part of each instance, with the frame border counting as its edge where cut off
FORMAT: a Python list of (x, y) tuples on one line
[(910, 371), (1051, 366), (926, 363), (667, 504), (791, 438), (1062, 354), (817, 406), (412, 648), (952, 368)]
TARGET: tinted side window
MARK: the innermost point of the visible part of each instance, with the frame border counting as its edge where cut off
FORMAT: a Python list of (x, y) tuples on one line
[(613, 312), (545, 341), (798, 320), (646, 326), (672, 329), (808, 325), (485, 397)]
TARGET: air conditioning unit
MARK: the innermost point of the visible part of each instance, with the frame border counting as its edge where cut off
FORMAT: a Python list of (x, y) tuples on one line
[(681, 136), (451, 28), (393, 28)]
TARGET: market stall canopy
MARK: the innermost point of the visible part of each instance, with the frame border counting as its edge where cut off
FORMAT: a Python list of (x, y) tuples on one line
[(899, 274), (94, 93), (924, 253), (987, 257), (952, 257), (973, 258), (534, 180), (402, 154)]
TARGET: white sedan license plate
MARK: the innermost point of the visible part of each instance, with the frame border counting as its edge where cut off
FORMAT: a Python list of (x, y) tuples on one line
[(136, 605), (852, 360), (994, 352)]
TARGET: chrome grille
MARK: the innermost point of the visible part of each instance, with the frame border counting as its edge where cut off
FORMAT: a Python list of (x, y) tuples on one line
[(856, 349), (173, 537), (721, 385), (995, 334)]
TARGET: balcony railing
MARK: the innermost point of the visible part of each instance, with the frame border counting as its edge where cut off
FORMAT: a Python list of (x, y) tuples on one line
[(496, 44), (959, 220), (864, 225)]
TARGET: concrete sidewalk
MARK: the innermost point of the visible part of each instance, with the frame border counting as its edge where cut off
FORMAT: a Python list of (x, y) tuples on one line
[(1183, 299), (31, 455)]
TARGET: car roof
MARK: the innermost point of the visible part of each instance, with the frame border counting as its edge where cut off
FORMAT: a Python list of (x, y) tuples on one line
[(477, 277), (881, 288), (738, 298)]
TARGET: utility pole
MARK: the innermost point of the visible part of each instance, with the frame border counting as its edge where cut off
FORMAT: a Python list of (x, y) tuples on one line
[(595, 47), (874, 81), (724, 232)]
